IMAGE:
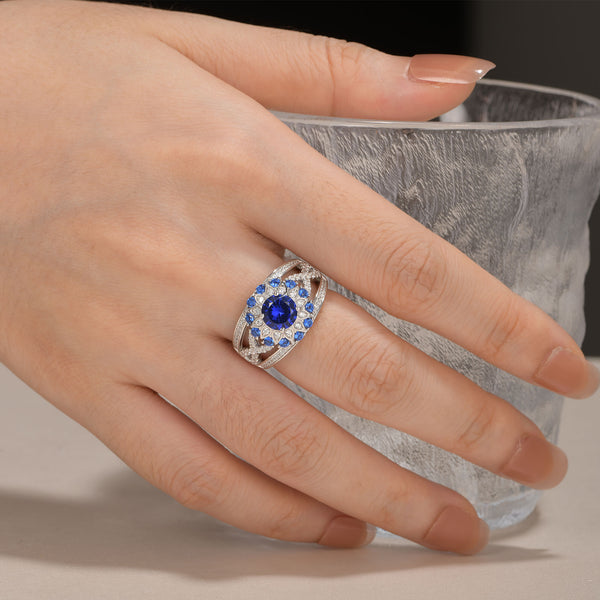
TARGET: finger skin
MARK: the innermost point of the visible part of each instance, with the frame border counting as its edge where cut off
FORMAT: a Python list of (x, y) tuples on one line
[(285, 70), (352, 361), (267, 425), (174, 454), (379, 252), (299, 72)]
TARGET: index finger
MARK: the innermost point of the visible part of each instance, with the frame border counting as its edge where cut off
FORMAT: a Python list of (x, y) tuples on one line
[(371, 247)]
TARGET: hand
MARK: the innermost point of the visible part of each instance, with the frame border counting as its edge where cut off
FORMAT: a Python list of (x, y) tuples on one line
[(145, 189)]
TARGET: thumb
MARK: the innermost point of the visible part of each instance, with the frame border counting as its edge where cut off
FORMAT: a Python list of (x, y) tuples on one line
[(300, 72)]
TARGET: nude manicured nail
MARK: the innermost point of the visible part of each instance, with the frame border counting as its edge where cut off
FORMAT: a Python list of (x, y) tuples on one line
[(447, 68), (536, 463), (568, 373), (456, 530), (347, 532)]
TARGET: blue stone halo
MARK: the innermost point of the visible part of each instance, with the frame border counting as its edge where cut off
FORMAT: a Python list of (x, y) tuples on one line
[(279, 313)]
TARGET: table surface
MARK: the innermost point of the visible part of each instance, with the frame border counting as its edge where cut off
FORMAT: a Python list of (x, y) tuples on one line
[(77, 523)]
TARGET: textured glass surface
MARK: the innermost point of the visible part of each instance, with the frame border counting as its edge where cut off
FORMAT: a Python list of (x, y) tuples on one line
[(513, 188)]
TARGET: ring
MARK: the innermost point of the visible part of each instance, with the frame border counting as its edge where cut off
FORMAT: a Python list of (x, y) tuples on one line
[(279, 313)]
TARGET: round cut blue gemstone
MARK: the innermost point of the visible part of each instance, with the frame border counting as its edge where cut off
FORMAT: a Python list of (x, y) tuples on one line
[(268, 341), (308, 323), (275, 282), (303, 293), (290, 284), (309, 307), (251, 301), (279, 312), (255, 331), (284, 342), (260, 289), (249, 318), (298, 335)]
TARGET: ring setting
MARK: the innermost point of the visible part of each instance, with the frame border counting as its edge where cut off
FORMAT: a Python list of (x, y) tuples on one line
[(279, 313)]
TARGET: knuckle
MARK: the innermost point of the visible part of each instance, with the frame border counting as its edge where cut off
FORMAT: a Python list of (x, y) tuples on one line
[(342, 55), (507, 325), (476, 430), (376, 378), (227, 161), (341, 60), (238, 151), (195, 483), (292, 447), (242, 153), (414, 272), (388, 503), (286, 524)]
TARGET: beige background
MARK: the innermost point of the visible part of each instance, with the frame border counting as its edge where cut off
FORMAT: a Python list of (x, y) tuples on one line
[(76, 523)]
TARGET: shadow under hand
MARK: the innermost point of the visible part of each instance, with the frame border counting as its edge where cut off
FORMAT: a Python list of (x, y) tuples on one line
[(133, 525)]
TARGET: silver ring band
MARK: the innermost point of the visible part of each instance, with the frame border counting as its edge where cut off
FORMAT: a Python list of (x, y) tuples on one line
[(279, 313)]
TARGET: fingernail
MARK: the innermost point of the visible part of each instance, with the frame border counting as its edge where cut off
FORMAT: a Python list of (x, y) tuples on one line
[(568, 373), (457, 531), (447, 68), (347, 532), (536, 463)]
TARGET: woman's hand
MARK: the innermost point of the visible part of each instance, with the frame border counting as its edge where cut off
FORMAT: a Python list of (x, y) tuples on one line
[(145, 189)]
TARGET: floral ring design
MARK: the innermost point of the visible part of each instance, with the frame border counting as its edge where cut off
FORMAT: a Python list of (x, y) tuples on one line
[(279, 313)]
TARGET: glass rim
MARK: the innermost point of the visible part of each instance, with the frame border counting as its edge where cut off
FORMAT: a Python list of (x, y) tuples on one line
[(592, 102)]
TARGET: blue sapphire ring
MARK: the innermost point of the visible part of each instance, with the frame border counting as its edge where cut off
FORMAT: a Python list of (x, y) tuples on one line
[(279, 313)]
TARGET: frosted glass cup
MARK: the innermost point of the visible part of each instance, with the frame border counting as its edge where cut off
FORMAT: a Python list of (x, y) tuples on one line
[(510, 178)]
